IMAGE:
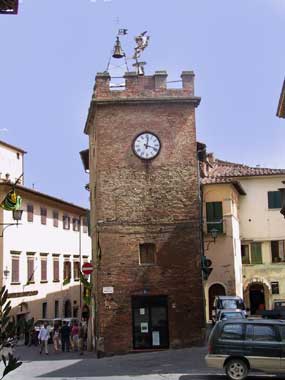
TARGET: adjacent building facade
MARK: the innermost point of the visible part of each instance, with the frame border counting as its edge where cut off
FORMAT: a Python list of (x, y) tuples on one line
[(243, 203), (145, 222), (40, 258)]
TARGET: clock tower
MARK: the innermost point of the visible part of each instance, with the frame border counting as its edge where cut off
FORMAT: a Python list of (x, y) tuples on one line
[(145, 223)]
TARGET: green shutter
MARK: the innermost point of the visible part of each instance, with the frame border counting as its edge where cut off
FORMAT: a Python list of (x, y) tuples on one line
[(256, 255), (274, 199), (214, 213)]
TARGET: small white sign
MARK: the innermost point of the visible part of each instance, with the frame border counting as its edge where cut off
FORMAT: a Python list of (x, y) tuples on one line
[(142, 311), (155, 338), (108, 289), (144, 327)]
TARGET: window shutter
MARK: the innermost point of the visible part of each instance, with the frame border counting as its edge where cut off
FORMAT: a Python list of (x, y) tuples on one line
[(30, 213), (15, 269), (274, 199), (44, 269), (256, 255), (43, 215), (55, 270), (214, 214), (55, 218), (30, 270)]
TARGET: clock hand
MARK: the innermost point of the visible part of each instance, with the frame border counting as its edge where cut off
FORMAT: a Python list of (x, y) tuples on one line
[(154, 148)]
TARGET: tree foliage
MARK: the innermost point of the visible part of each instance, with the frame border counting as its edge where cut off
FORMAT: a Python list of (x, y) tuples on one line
[(7, 333)]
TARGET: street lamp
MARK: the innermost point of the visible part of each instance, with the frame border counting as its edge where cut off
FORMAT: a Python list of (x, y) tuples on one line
[(17, 216)]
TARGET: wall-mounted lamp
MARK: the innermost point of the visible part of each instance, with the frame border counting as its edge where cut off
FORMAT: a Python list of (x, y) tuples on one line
[(17, 216), (214, 234), (6, 273)]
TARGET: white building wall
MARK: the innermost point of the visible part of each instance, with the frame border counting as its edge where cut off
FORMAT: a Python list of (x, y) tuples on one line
[(39, 238), (11, 162)]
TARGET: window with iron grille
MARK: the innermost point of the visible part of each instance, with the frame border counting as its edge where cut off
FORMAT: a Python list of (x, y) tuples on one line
[(85, 225), (147, 254), (275, 287), (76, 224), (66, 222)]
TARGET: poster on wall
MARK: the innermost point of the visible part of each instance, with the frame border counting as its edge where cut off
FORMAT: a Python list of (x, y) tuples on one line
[(144, 327), (155, 338)]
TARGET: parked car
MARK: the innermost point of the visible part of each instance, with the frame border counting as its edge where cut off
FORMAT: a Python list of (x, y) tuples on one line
[(227, 302), (277, 312), (241, 345), (225, 314), (40, 322)]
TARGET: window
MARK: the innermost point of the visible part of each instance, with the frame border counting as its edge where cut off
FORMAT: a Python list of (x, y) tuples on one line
[(43, 215), (274, 199), (55, 269), (275, 287), (76, 224), (15, 269), (278, 251), (44, 310), (30, 213), (55, 218), (282, 331), (214, 215), (43, 269), (30, 265), (260, 333), (66, 222), (256, 254), (245, 254), (56, 309), (147, 254), (85, 225), (66, 270), (232, 332), (76, 270)]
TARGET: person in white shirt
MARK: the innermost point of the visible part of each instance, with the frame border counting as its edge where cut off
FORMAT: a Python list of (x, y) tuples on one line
[(44, 337)]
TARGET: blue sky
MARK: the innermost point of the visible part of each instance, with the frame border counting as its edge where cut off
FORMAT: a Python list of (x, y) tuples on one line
[(52, 50)]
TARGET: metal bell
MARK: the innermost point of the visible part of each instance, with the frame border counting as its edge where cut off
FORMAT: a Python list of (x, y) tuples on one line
[(118, 51)]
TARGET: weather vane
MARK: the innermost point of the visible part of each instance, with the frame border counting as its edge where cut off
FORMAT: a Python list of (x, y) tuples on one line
[(118, 53), (142, 42)]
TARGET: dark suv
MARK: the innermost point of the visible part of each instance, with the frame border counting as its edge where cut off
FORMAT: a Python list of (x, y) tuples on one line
[(243, 344)]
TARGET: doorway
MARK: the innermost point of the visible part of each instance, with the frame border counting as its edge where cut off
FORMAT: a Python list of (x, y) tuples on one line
[(256, 298), (215, 290), (67, 309), (150, 322)]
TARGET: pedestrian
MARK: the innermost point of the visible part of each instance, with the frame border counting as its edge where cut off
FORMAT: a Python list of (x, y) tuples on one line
[(65, 337), (56, 338), (74, 336), (81, 336), (43, 338)]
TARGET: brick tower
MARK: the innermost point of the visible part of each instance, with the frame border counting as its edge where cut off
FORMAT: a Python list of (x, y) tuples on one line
[(145, 214)]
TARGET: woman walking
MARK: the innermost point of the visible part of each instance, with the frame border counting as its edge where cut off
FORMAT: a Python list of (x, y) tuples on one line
[(74, 336), (56, 338)]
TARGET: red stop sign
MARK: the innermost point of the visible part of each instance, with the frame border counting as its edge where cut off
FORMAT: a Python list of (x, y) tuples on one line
[(87, 268)]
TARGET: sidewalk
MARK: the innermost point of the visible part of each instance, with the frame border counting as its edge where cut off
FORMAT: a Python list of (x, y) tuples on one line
[(170, 364)]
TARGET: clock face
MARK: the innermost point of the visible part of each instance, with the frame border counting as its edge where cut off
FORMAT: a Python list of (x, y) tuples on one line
[(146, 145)]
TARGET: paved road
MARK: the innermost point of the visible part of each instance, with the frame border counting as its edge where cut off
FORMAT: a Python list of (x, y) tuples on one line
[(186, 364)]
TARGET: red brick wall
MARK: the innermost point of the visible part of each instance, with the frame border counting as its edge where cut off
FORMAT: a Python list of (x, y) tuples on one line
[(147, 202)]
